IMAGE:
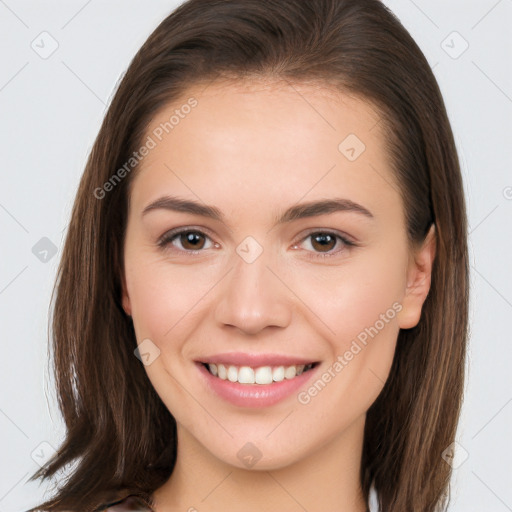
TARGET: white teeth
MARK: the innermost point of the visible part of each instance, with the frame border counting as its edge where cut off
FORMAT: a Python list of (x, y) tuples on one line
[(263, 375), (233, 373), (222, 372), (278, 374), (246, 375), (290, 372), (260, 375)]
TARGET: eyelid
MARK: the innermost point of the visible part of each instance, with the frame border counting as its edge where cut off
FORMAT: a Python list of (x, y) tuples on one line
[(329, 231)]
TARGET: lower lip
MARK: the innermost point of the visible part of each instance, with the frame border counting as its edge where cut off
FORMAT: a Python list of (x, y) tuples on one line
[(254, 395)]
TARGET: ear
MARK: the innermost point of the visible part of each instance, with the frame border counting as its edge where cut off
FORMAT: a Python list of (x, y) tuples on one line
[(125, 298), (419, 274)]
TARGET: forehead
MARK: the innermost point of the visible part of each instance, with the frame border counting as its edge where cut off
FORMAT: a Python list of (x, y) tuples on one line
[(266, 141)]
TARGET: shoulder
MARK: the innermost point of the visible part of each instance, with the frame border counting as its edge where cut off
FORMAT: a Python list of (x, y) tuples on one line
[(129, 504)]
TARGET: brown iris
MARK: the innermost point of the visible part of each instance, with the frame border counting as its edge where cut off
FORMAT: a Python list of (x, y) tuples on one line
[(192, 238), (323, 240)]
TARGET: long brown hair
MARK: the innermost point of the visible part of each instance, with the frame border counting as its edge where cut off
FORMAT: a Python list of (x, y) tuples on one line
[(120, 437)]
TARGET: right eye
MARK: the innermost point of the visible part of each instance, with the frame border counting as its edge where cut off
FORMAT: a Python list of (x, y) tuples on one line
[(190, 240)]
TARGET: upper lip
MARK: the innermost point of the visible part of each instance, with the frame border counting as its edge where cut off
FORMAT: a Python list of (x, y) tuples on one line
[(255, 360)]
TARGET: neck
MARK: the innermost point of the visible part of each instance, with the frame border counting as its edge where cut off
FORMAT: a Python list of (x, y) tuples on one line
[(326, 479)]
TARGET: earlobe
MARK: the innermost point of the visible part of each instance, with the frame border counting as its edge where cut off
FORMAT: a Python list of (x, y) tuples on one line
[(419, 277)]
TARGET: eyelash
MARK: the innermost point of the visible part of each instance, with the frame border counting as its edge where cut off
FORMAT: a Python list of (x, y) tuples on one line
[(168, 237)]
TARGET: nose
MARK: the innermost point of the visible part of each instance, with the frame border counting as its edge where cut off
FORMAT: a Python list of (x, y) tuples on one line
[(253, 297)]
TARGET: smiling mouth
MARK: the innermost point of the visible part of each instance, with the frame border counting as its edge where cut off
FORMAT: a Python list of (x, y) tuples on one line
[(257, 375)]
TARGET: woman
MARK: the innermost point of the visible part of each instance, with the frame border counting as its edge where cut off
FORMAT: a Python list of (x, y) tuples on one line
[(263, 297)]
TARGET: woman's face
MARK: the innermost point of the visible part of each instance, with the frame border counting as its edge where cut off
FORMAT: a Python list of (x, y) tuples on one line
[(295, 252)]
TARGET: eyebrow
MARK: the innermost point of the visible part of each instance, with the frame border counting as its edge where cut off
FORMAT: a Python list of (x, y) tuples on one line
[(300, 211)]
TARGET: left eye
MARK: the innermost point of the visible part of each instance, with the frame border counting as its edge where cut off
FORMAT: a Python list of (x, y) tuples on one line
[(326, 240)]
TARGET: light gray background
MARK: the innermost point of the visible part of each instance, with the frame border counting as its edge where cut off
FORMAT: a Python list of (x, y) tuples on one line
[(50, 111)]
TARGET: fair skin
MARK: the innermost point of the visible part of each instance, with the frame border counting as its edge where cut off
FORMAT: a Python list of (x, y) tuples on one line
[(252, 151)]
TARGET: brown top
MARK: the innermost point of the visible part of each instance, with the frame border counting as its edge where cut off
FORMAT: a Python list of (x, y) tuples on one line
[(129, 504), (134, 504)]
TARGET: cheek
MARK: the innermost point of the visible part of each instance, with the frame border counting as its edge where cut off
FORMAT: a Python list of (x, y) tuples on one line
[(357, 305), (165, 297), (355, 297)]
